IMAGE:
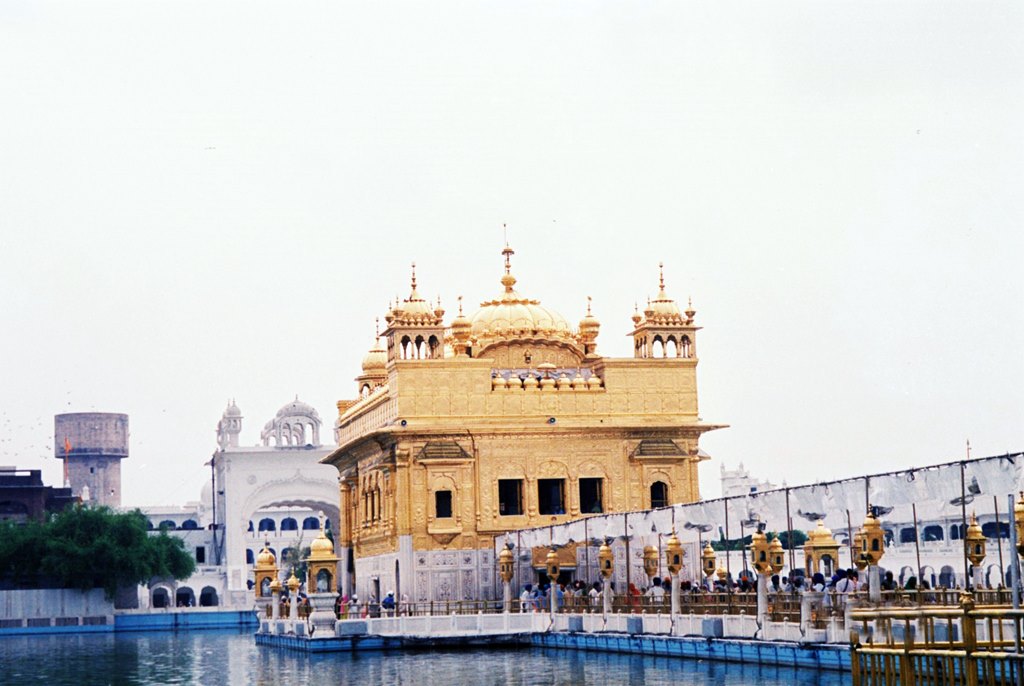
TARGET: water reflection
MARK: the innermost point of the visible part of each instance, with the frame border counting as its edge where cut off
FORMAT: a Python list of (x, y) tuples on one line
[(232, 658)]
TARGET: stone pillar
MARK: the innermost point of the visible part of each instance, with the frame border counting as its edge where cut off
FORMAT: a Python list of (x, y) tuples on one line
[(275, 609), (674, 595), (507, 585), (762, 599), (293, 611), (322, 618), (979, 578), (606, 599), (874, 585)]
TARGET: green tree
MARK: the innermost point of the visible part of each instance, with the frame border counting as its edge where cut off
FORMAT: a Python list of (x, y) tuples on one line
[(91, 547), (799, 538)]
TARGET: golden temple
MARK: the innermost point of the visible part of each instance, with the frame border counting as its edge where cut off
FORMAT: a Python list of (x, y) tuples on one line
[(502, 420)]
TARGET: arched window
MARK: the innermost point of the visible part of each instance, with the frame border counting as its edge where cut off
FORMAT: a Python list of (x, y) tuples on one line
[(933, 532), (267, 524), (310, 524), (996, 530), (659, 494), (168, 525), (433, 347), (249, 557), (250, 526), (670, 347), (189, 525), (908, 534), (289, 524), (149, 525), (956, 532)]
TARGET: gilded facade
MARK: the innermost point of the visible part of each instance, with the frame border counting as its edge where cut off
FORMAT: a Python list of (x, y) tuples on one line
[(505, 419)]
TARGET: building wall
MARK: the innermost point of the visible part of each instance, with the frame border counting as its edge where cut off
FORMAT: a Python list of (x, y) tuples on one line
[(496, 432)]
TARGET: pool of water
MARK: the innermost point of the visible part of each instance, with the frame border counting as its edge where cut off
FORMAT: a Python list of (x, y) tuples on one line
[(218, 657)]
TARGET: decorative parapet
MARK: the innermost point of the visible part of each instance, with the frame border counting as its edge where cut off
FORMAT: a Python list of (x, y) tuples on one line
[(369, 414), (545, 380)]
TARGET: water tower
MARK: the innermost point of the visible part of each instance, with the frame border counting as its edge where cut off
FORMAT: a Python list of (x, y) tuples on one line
[(95, 443)]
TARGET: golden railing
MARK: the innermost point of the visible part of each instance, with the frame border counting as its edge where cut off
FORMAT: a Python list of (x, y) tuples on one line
[(954, 645)]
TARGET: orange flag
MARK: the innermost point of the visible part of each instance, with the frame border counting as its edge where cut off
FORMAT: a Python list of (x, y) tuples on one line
[(67, 451)]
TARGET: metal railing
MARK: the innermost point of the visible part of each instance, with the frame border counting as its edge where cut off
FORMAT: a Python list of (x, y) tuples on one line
[(963, 644)]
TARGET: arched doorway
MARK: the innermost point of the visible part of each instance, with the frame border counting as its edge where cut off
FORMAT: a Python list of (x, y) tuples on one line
[(208, 597), (185, 597), (160, 598)]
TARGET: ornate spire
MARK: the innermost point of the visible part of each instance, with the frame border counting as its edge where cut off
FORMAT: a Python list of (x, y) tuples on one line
[(508, 281), (414, 276)]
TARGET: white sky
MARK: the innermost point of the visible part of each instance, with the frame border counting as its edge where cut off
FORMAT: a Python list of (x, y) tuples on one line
[(206, 200)]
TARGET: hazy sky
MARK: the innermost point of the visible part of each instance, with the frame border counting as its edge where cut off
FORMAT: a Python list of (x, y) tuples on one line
[(205, 200)]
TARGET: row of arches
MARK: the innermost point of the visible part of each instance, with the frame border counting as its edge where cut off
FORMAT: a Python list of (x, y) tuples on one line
[(420, 348), (287, 524), (295, 432), (668, 346), (171, 525), (184, 596), (935, 532)]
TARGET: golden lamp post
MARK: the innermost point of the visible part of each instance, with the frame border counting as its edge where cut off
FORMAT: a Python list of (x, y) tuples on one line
[(872, 548), (761, 554), (707, 563), (606, 562), (674, 562), (275, 594), (293, 584), (506, 568), (554, 569), (975, 542)]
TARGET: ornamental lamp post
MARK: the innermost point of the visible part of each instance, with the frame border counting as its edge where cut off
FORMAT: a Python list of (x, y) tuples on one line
[(759, 549), (650, 563), (776, 556), (293, 584), (872, 548), (859, 558), (707, 562), (275, 595), (606, 562), (975, 542), (506, 568), (674, 562), (553, 568)]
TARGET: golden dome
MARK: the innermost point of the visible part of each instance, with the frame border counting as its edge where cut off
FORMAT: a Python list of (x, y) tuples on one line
[(512, 316), (322, 547), (821, 537), (589, 322), (663, 307), (460, 323), (415, 307), (376, 360), (266, 558)]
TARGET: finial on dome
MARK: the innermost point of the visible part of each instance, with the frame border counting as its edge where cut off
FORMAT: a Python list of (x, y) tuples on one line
[(661, 276), (460, 305), (414, 276), (376, 328), (508, 281), (589, 299)]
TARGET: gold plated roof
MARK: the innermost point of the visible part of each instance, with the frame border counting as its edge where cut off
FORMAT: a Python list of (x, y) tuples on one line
[(511, 317)]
